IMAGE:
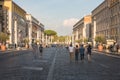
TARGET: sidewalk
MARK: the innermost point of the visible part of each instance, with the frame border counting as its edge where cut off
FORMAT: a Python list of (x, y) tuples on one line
[(11, 50), (108, 52)]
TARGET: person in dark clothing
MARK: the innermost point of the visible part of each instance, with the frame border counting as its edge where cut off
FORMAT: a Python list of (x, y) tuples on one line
[(76, 53), (41, 49), (82, 51), (111, 48), (89, 51), (117, 47)]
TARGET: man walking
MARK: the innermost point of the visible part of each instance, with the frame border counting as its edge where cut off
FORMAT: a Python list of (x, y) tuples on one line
[(76, 53), (82, 50), (89, 48)]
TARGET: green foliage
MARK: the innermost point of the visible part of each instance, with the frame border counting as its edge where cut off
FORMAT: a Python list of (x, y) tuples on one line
[(26, 40), (79, 41), (3, 37), (55, 38), (61, 38), (100, 39), (85, 40), (50, 32)]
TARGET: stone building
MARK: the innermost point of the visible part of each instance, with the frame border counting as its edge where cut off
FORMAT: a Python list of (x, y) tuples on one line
[(3, 18), (81, 29), (114, 7), (16, 22), (20, 24), (35, 30), (106, 20), (101, 21)]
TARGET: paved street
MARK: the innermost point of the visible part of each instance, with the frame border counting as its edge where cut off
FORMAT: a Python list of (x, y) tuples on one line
[(55, 65)]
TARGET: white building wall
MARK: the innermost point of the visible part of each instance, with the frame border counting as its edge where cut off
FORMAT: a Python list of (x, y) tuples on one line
[(84, 31), (10, 26), (94, 42)]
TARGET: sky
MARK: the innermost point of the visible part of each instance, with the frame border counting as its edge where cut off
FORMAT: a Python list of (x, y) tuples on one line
[(59, 15)]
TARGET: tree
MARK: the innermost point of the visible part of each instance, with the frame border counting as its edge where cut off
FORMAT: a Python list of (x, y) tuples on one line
[(61, 38), (50, 33), (3, 37), (100, 39), (26, 40), (79, 41), (55, 38), (85, 40)]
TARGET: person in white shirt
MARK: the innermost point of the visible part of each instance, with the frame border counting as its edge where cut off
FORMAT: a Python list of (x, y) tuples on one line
[(71, 52)]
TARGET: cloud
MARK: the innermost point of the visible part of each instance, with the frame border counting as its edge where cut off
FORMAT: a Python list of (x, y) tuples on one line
[(69, 22)]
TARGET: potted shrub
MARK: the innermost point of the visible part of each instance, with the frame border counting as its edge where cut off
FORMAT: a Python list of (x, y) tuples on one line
[(3, 38), (100, 39), (26, 40), (37, 41)]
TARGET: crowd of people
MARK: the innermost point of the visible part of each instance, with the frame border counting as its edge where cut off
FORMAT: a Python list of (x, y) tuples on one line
[(76, 53), (80, 50), (114, 47)]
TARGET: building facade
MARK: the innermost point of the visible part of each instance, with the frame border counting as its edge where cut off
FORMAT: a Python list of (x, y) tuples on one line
[(16, 22), (81, 30), (101, 21), (114, 7), (35, 30), (3, 18), (106, 20), (20, 25)]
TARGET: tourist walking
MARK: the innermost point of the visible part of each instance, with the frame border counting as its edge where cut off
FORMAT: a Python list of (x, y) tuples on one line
[(41, 49), (76, 53), (82, 51), (35, 50), (71, 52), (89, 51)]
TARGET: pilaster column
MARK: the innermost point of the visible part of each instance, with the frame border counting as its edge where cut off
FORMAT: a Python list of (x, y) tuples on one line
[(16, 31), (94, 42), (46, 41), (30, 34)]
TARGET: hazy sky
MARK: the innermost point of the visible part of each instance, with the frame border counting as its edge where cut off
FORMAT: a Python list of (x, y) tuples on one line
[(58, 15)]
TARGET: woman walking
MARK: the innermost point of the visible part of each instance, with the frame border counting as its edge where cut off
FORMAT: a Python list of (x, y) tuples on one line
[(89, 48), (76, 53), (71, 52)]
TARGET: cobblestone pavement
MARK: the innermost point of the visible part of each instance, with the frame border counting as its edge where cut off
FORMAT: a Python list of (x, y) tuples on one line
[(102, 67), (23, 65), (55, 65)]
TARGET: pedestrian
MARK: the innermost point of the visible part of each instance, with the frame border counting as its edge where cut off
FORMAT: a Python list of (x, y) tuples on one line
[(117, 47), (71, 52), (111, 48), (76, 53), (114, 48), (41, 49), (89, 51), (15, 45), (35, 50), (82, 51)]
